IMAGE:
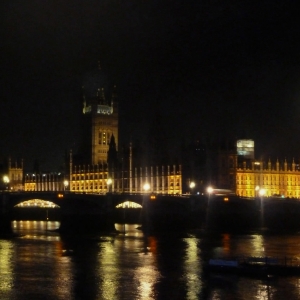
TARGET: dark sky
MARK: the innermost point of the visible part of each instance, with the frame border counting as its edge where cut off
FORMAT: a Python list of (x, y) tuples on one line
[(212, 69)]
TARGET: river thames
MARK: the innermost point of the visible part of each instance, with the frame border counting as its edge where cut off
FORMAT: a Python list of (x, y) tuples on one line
[(41, 264)]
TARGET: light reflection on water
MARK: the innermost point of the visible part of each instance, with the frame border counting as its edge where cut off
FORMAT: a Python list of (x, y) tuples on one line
[(41, 264), (6, 271)]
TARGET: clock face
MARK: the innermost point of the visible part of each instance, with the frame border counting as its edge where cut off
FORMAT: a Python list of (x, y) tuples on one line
[(245, 148), (104, 110), (245, 144)]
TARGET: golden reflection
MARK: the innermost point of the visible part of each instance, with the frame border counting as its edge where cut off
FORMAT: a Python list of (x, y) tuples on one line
[(109, 272), (297, 285), (64, 268), (258, 245), (136, 273), (216, 295), (42, 251), (263, 292), (6, 271), (146, 277), (226, 242), (192, 269), (30, 227), (152, 241)]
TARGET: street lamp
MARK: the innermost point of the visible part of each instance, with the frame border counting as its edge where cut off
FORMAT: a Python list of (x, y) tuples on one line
[(6, 181), (262, 192), (145, 207), (209, 190), (109, 184), (66, 184), (192, 185), (256, 190), (146, 187)]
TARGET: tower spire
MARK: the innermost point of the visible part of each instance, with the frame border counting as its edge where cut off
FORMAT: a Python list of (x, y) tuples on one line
[(114, 95)]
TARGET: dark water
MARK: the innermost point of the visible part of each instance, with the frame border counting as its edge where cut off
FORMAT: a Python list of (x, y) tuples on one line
[(35, 265)]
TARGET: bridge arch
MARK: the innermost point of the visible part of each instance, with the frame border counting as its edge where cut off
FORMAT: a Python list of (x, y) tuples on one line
[(129, 204), (37, 203), (127, 201)]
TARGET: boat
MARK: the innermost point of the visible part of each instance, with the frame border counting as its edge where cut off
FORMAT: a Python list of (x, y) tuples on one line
[(255, 266)]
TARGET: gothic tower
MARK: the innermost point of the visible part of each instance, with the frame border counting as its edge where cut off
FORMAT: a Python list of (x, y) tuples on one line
[(100, 112)]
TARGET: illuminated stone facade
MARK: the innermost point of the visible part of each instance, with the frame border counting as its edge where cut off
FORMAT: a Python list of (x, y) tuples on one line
[(246, 177), (94, 179), (275, 179), (43, 182), (100, 114), (12, 176)]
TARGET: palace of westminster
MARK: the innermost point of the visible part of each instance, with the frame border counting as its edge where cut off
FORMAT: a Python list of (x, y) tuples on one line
[(100, 168)]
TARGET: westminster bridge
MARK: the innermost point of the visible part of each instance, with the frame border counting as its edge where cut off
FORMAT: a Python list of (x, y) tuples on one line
[(85, 211), (90, 212)]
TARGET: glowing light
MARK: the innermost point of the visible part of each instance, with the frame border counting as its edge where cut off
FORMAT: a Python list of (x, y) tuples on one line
[(37, 203), (209, 189), (262, 192), (146, 187), (153, 197), (129, 204), (5, 179), (192, 184)]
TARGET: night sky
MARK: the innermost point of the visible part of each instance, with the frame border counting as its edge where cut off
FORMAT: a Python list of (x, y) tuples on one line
[(211, 69)]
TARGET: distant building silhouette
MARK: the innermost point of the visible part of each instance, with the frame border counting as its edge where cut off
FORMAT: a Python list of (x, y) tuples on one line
[(100, 117), (100, 166)]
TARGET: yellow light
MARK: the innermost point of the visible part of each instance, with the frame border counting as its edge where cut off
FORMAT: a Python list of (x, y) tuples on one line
[(226, 199), (209, 189), (146, 187), (60, 195), (5, 179), (153, 197), (262, 192)]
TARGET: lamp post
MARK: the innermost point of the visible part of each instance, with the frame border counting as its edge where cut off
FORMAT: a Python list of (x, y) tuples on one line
[(6, 181), (209, 190), (262, 192), (109, 185), (146, 187), (145, 207), (66, 184), (192, 185), (256, 190)]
